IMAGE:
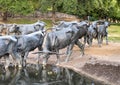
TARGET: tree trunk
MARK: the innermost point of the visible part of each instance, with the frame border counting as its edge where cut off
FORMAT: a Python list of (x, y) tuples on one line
[(53, 13), (53, 16), (5, 16)]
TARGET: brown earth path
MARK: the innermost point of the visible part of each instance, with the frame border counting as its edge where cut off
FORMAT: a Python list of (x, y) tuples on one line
[(99, 63)]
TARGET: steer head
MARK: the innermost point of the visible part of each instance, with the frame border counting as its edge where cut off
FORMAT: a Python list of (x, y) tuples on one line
[(13, 28), (83, 24), (107, 24)]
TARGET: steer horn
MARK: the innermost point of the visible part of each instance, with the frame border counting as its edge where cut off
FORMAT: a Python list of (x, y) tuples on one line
[(50, 52)]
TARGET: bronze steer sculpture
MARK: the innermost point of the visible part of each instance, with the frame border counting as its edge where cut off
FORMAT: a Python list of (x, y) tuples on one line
[(23, 29), (29, 42), (65, 37), (7, 47), (102, 32), (83, 30), (91, 32), (98, 30)]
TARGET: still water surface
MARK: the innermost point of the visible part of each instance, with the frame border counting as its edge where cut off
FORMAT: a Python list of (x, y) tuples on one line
[(37, 75)]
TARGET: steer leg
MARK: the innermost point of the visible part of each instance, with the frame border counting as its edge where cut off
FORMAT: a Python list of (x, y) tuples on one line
[(85, 39), (24, 59), (106, 39), (106, 36), (7, 61), (45, 58), (17, 58), (70, 47), (99, 40), (81, 46), (90, 40), (58, 57), (67, 51), (39, 54)]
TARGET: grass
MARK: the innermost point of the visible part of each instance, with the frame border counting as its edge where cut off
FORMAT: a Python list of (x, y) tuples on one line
[(28, 21), (113, 30), (114, 33)]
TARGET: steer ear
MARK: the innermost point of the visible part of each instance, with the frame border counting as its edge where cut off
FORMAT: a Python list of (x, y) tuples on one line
[(69, 31), (36, 27), (17, 36), (78, 27)]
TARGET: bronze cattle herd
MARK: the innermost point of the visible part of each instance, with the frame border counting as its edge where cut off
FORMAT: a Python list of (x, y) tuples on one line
[(20, 39)]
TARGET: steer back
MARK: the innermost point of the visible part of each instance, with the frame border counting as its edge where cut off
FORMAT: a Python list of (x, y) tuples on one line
[(7, 47), (63, 24), (30, 41), (7, 44), (56, 40)]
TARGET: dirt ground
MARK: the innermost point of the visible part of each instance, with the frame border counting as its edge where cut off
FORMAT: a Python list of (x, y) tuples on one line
[(99, 63)]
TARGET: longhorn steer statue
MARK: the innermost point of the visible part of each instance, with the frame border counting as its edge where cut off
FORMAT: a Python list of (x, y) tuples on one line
[(83, 30), (7, 47), (66, 37), (29, 42), (91, 33), (102, 32), (23, 29), (98, 29)]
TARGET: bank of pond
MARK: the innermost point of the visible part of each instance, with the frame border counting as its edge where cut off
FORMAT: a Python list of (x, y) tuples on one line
[(40, 75)]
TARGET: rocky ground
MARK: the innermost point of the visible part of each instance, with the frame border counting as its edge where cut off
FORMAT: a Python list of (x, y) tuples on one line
[(99, 63)]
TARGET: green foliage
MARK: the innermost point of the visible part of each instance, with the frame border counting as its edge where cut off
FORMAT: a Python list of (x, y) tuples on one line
[(22, 7), (114, 32), (50, 5), (70, 6), (28, 21), (21, 21), (82, 8)]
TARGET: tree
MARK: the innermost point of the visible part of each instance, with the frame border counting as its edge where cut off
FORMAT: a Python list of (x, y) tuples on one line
[(99, 8), (50, 5), (15, 6), (82, 8)]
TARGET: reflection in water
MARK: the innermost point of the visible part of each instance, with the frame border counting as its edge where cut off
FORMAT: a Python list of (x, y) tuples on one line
[(37, 75)]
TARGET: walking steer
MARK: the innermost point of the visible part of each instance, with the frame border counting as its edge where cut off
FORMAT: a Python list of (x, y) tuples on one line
[(29, 42), (66, 37), (7, 47)]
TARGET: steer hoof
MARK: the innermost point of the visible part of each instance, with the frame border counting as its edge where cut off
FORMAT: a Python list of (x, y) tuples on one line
[(6, 67), (100, 45), (44, 66), (57, 64), (44, 63), (19, 66), (82, 54)]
